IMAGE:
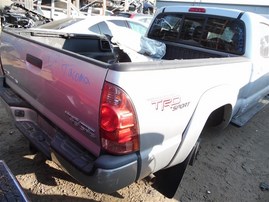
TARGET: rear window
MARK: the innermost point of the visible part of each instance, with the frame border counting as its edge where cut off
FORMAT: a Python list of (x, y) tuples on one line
[(221, 34)]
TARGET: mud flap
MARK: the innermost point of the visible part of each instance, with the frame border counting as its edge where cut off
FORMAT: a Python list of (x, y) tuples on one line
[(245, 117), (167, 181)]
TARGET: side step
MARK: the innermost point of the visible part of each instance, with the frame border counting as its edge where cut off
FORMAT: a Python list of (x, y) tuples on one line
[(73, 153), (63, 146), (35, 135), (244, 118), (11, 98)]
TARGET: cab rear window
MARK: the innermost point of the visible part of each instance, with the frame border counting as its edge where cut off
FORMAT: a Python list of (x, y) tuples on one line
[(212, 32)]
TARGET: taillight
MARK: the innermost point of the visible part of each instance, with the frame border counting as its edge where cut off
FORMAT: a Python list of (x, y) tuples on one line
[(118, 124), (132, 15), (197, 10)]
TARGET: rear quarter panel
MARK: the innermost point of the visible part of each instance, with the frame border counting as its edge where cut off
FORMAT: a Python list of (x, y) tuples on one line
[(166, 96)]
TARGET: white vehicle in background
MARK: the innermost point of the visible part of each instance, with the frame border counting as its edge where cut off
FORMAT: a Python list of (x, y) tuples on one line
[(93, 24), (144, 18)]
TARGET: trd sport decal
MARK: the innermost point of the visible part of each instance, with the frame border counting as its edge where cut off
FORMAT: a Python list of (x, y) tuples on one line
[(169, 102)]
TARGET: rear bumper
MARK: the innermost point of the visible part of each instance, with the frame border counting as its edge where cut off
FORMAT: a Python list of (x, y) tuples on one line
[(102, 180), (104, 174)]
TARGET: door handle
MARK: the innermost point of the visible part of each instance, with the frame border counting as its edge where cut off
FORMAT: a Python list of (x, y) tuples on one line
[(34, 60)]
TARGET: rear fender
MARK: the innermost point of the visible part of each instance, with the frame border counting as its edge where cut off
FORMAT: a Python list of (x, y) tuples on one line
[(167, 180), (211, 100)]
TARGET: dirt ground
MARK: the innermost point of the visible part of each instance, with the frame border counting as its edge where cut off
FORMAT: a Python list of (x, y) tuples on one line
[(230, 167)]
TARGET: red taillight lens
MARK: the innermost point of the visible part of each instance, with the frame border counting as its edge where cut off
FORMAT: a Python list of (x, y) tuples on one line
[(109, 121), (118, 124), (197, 10), (132, 15)]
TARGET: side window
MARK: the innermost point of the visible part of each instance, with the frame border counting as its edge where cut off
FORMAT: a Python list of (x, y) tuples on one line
[(138, 28), (264, 40), (95, 29), (103, 29), (120, 23)]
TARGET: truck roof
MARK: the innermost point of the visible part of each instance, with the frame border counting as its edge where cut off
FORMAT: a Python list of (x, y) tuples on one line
[(225, 2), (200, 9)]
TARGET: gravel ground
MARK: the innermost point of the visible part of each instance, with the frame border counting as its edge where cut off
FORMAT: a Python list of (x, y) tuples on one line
[(230, 167)]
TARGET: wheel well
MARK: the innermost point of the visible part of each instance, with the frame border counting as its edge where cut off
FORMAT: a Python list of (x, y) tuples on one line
[(220, 117)]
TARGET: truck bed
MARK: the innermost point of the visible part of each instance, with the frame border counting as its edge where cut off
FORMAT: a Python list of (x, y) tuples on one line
[(98, 48), (90, 46), (182, 51)]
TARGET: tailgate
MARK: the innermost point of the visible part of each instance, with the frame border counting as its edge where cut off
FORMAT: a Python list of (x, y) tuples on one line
[(63, 86)]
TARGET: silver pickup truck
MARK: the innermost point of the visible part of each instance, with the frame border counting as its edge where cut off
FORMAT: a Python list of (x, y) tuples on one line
[(109, 122)]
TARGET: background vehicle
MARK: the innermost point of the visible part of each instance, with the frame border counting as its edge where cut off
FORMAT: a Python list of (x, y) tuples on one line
[(94, 24), (117, 6), (96, 8), (18, 16), (144, 18), (148, 7)]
